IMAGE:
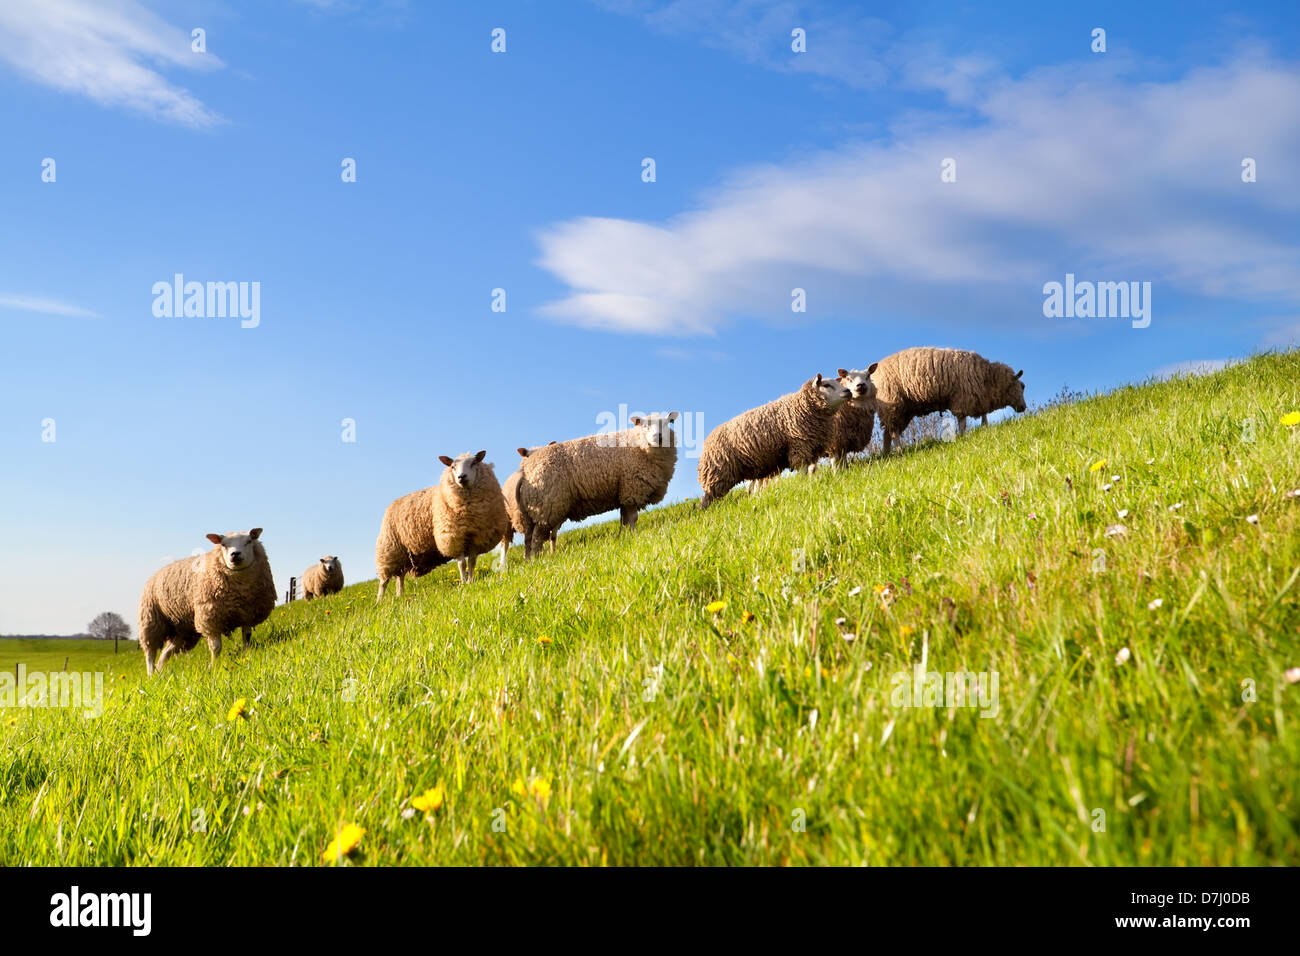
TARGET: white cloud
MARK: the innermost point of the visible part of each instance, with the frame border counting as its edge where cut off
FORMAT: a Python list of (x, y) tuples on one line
[(32, 303), (1073, 169), (107, 50), (1193, 367)]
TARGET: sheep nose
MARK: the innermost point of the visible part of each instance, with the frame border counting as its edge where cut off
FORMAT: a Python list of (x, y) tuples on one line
[(463, 479), (235, 555)]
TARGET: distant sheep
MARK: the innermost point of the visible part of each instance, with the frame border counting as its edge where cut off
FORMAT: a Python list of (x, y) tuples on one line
[(322, 578), (206, 596), (920, 381), (854, 420), (461, 517), (576, 479), (512, 509), (791, 432)]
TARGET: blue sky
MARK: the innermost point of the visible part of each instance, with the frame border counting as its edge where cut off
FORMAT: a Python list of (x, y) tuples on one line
[(522, 170)]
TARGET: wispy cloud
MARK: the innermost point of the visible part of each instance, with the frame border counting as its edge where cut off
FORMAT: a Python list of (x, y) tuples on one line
[(110, 51), (1077, 168), (1192, 367), (840, 45), (33, 303)]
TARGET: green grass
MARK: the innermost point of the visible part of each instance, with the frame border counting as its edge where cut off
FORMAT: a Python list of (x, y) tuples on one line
[(986, 550), (80, 655)]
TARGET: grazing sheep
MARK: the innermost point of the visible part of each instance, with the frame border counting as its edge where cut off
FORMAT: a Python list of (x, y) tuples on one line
[(791, 432), (461, 517), (576, 479), (851, 427), (322, 578), (206, 596), (919, 381), (512, 509)]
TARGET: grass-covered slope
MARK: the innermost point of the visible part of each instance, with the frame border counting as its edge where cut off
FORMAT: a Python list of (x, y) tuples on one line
[(588, 709)]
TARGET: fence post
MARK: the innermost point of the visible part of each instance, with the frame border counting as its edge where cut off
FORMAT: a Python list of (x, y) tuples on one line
[(293, 590)]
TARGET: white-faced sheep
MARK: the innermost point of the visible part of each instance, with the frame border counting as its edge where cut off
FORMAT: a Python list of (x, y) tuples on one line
[(322, 578), (854, 420), (207, 596), (459, 518), (576, 479), (923, 380), (512, 508), (791, 432)]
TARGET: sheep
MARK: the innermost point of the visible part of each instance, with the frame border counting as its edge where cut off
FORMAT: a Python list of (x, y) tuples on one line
[(791, 432), (322, 578), (919, 381), (206, 596), (576, 479), (854, 420), (459, 518), (508, 492)]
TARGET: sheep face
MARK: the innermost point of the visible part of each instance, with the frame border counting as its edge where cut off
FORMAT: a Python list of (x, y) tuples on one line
[(658, 429), (464, 468), (858, 381), (238, 552), (1013, 392), (329, 563), (832, 392)]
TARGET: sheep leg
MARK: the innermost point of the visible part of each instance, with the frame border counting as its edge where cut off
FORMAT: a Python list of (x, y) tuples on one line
[(628, 515), (168, 650), (961, 424), (214, 646), (380, 596), (248, 638), (400, 579), (149, 655), (984, 420), (551, 537)]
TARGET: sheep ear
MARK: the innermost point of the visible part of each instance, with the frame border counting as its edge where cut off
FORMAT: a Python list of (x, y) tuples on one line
[(552, 442), (1020, 373), (871, 369), (819, 378), (842, 372), (479, 456), (445, 460), (635, 419), (672, 416), (255, 533), (214, 538), (323, 560), (523, 452)]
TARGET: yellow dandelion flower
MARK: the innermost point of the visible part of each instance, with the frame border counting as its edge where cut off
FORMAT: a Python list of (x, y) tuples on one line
[(1291, 419), (1097, 466), (345, 842), (906, 630), (518, 788), (746, 617), (238, 709), (715, 606), (430, 800), (541, 789), (543, 640)]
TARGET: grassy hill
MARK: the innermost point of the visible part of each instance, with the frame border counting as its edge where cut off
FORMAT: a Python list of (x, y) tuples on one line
[(589, 708)]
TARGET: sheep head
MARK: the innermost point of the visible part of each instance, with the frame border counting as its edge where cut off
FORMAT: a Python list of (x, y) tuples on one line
[(238, 551), (464, 468), (658, 429)]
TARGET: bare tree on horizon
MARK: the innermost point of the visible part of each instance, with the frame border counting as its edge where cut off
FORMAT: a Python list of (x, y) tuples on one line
[(107, 625)]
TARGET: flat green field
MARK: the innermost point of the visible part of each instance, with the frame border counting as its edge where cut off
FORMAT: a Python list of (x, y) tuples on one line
[(81, 655), (733, 686)]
